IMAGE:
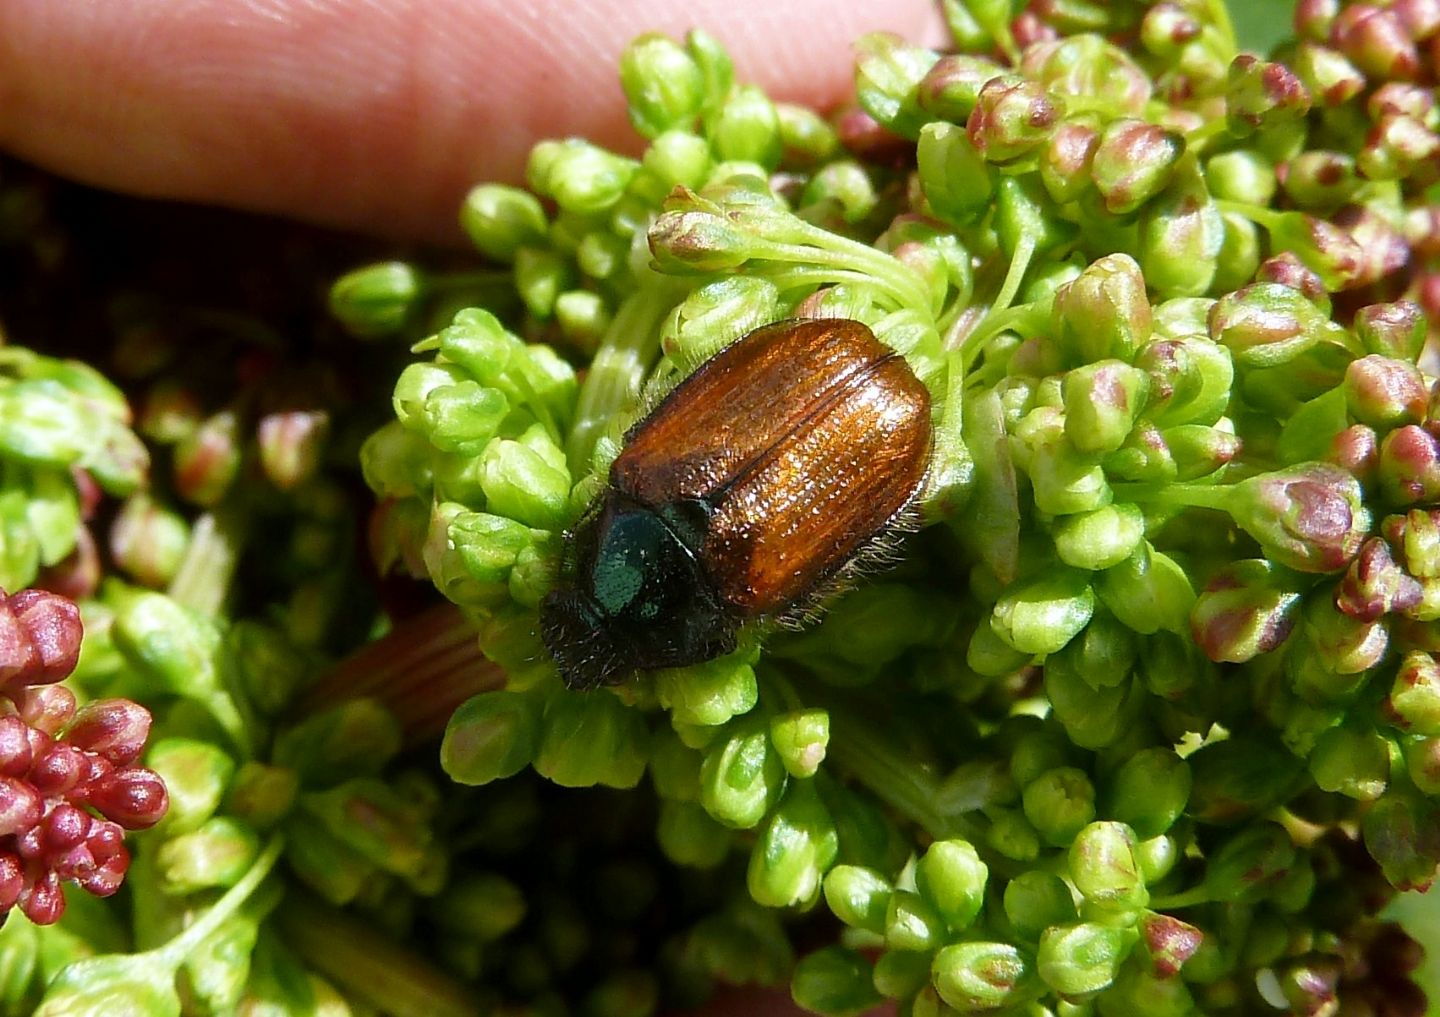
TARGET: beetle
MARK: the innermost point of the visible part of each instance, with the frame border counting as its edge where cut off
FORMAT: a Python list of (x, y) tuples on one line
[(773, 468)]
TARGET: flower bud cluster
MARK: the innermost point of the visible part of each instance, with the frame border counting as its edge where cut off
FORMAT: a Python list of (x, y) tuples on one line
[(69, 786), (1145, 721)]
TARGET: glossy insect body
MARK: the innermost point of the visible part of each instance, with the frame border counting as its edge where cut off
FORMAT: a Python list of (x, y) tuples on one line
[(755, 480)]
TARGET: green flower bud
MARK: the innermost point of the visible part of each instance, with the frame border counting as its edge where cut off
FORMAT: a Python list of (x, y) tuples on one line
[(44, 424), (1402, 833), (1181, 235), (1104, 313), (1267, 324), (196, 774), (261, 794), (1249, 608), (954, 176), (888, 72), (800, 737), (1170, 943), (858, 896), (1242, 175), (1249, 863), (380, 823), (1104, 868), (1352, 762), (1093, 716), (991, 656), (808, 139), (217, 854), (1422, 763), (951, 877), (835, 982), (664, 86), (1012, 835), (1025, 218), (1414, 701), (207, 462), (1240, 777), (1036, 751), (527, 479), (324, 863), (540, 276), (579, 176), (591, 739), (1199, 450), (674, 159), (1066, 160), (356, 737), (795, 847), (1310, 517), (1078, 959), (1059, 803), (1100, 539), (1374, 585), (976, 977), (1102, 400), (1035, 901), (1148, 591), (1144, 457), (376, 300), (484, 905), (689, 837), (1240, 253), (911, 923), (685, 242), (709, 693), (742, 776), (1149, 791), (1328, 76), (1089, 68), (1321, 180), (148, 540), (1134, 162), (747, 129), (500, 220), (1190, 381), (1012, 117), (1391, 330), (1260, 95), (1042, 615), (1385, 393), (951, 87), (900, 974), (490, 737)]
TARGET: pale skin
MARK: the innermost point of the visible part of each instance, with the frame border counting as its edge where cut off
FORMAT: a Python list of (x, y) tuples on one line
[(377, 115)]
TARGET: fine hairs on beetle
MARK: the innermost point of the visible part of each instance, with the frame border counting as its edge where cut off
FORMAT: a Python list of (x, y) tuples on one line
[(778, 464)]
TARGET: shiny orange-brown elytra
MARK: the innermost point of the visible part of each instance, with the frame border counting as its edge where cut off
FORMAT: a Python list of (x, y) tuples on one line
[(758, 478)]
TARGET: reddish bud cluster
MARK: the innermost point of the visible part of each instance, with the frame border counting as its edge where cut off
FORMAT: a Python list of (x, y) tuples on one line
[(69, 788)]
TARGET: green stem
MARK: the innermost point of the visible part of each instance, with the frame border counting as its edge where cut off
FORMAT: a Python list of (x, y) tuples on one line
[(1184, 899), (1210, 496), (173, 953), (613, 382), (367, 965)]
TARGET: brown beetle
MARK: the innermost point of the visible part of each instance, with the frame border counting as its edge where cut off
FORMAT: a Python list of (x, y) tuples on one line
[(756, 480)]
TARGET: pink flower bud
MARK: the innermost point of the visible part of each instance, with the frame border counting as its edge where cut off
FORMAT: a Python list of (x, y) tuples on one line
[(134, 797), (52, 624), (20, 806), (47, 708), (12, 881), (15, 755), (108, 875), (43, 901), (64, 828), (58, 770), (114, 728)]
